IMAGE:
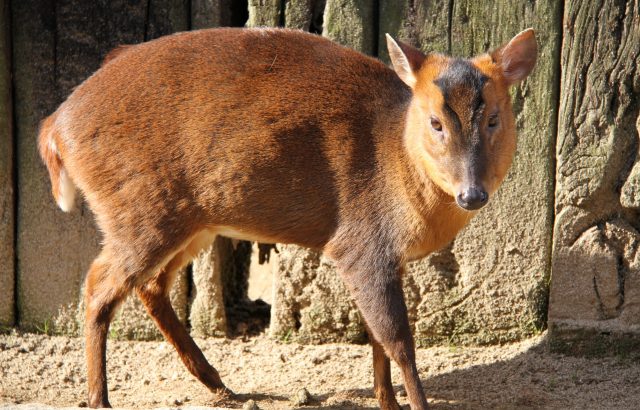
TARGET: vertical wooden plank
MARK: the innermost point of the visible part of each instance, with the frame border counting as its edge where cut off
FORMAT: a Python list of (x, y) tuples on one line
[(595, 292), (7, 268), (57, 44), (304, 14), (422, 23), (46, 277), (166, 17), (352, 23), (268, 13), (210, 13)]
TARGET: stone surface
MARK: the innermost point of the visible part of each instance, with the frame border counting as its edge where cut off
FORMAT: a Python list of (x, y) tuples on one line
[(490, 285), (55, 47), (7, 216), (596, 265)]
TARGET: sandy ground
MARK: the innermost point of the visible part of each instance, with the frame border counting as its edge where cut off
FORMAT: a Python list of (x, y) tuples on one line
[(50, 370)]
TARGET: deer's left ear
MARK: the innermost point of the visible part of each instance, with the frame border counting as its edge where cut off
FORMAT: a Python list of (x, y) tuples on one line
[(518, 57), (406, 60)]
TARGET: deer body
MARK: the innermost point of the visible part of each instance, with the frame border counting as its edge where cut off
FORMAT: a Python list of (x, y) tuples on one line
[(261, 134)]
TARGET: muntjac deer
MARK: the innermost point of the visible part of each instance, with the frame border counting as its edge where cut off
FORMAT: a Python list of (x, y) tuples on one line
[(279, 136)]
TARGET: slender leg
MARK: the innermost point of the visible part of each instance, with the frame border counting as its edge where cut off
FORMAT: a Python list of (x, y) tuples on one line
[(379, 296), (155, 296), (382, 385), (103, 293)]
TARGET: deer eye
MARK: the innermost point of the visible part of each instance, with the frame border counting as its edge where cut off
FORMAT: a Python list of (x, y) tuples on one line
[(493, 121), (436, 125)]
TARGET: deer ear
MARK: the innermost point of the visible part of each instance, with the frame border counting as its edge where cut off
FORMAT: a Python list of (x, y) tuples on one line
[(518, 57), (406, 60)]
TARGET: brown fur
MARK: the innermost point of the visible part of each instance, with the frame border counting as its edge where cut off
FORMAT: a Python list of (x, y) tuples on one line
[(270, 135)]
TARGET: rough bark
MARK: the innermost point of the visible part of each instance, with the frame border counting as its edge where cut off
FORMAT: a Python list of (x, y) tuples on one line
[(304, 14), (352, 23), (265, 13), (56, 45), (7, 302), (424, 24), (596, 266)]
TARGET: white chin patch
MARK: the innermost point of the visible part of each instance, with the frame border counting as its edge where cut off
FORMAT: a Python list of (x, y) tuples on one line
[(66, 192)]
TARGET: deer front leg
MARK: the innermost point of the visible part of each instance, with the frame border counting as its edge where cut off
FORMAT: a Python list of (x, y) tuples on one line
[(382, 386), (379, 297)]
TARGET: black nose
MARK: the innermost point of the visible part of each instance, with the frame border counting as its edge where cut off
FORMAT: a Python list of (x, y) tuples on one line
[(472, 198)]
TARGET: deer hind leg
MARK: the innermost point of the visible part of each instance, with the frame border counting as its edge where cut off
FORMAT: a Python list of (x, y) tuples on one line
[(154, 294), (105, 288)]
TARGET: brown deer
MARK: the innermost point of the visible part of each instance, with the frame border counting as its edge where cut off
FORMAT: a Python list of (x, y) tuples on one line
[(279, 136)]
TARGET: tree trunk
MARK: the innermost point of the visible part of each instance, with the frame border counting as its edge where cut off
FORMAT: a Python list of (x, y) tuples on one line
[(596, 266), (352, 23)]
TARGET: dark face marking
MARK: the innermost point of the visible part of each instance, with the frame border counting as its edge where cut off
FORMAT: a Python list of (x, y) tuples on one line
[(461, 85)]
